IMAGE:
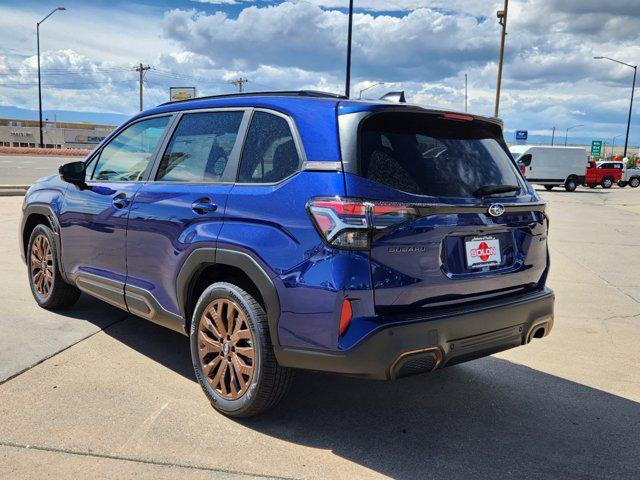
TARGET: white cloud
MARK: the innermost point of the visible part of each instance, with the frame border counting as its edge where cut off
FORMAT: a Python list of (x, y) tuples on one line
[(425, 48), (422, 43)]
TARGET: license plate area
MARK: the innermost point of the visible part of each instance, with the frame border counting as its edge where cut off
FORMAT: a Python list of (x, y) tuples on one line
[(482, 251)]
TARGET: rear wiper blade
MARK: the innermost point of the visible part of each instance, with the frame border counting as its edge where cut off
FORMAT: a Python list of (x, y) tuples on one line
[(494, 189)]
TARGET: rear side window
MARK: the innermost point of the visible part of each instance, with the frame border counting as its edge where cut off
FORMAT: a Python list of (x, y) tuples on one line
[(423, 154), (200, 147), (270, 153)]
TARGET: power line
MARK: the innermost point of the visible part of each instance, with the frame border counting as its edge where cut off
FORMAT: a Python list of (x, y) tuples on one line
[(62, 71), (63, 84)]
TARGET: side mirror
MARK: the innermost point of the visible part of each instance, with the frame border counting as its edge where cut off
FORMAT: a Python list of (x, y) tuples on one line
[(526, 159), (73, 172)]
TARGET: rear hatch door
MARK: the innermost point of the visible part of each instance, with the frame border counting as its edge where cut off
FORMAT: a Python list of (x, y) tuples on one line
[(472, 228)]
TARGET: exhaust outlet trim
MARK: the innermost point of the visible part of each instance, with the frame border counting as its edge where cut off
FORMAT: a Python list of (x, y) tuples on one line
[(544, 324), (436, 351)]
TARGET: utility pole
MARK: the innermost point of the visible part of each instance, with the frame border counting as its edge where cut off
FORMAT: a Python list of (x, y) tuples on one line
[(466, 91), (347, 88), (502, 20), (553, 135), (240, 84), (141, 69)]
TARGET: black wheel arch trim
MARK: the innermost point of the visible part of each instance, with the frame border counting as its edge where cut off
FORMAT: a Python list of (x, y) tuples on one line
[(54, 224), (201, 258)]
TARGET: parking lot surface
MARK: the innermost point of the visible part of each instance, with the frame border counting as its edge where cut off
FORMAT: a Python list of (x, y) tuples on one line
[(119, 399)]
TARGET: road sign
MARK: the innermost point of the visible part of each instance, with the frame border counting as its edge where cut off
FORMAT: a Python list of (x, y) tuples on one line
[(522, 134), (596, 148)]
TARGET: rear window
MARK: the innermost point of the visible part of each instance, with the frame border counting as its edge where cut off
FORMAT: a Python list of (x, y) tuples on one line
[(427, 155)]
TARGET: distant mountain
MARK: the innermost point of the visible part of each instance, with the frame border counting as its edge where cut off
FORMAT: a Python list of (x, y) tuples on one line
[(7, 111)]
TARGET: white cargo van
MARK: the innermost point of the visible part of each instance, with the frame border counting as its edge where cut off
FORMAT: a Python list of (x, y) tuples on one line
[(552, 166)]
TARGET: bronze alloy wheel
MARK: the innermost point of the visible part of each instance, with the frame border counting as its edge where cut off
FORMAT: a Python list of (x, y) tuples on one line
[(225, 348), (42, 265)]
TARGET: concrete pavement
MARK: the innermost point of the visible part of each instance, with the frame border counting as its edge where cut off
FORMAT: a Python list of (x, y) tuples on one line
[(29, 334), (124, 402)]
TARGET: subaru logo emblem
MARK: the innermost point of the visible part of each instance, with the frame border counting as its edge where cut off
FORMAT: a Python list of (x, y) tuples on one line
[(496, 209)]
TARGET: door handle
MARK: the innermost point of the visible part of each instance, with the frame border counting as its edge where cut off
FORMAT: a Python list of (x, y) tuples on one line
[(204, 206), (120, 201)]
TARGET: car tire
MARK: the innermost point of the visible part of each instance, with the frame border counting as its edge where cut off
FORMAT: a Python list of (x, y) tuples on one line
[(47, 285), (634, 182), (570, 185), (606, 182), (232, 353), (622, 184), (548, 188)]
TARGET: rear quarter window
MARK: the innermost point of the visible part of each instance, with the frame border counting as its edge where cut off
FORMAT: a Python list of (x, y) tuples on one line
[(424, 154)]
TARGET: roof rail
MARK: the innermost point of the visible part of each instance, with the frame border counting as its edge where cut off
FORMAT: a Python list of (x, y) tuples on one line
[(273, 93)]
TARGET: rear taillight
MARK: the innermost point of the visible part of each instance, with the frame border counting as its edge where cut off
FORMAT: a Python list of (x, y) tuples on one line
[(523, 170), (348, 223)]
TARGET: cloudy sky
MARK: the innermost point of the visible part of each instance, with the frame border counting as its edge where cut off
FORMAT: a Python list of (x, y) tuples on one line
[(424, 47)]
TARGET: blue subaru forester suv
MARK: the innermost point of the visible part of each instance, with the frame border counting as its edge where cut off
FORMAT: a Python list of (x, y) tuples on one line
[(288, 230)]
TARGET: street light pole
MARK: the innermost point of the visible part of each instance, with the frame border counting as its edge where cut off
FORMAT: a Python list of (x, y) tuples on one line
[(347, 88), (39, 78), (370, 86), (502, 19), (566, 135), (633, 88), (466, 91), (626, 141), (613, 144)]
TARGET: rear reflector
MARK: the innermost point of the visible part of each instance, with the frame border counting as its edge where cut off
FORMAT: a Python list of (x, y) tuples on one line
[(345, 316), (347, 223)]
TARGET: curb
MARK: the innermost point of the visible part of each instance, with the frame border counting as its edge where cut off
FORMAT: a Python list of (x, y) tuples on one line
[(13, 190)]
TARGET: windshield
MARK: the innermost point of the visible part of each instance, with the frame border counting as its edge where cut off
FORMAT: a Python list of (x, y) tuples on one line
[(427, 155), (516, 156)]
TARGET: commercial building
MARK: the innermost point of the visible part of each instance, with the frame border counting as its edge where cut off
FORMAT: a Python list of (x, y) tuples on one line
[(63, 135)]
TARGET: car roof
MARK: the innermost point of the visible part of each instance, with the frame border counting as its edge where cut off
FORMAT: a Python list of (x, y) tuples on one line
[(314, 113)]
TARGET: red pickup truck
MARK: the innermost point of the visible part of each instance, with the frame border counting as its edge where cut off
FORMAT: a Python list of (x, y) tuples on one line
[(602, 173)]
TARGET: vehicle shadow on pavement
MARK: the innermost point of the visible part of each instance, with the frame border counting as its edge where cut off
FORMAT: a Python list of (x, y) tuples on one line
[(487, 418)]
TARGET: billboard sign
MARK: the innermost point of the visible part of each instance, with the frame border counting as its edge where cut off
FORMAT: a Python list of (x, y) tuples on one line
[(181, 93)]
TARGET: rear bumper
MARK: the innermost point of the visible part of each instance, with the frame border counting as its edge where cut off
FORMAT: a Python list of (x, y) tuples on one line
[(436, 340)]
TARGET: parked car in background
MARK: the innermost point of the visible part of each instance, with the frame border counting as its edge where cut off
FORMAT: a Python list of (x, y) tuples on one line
[(604, 174), (629, 176), (287, 230), (552, 166)]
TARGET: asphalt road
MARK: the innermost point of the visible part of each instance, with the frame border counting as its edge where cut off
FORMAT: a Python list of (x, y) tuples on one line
[(123, 402), (25, 169)]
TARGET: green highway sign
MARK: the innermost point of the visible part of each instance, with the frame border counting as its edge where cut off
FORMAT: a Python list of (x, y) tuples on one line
[(596, 148)]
